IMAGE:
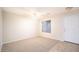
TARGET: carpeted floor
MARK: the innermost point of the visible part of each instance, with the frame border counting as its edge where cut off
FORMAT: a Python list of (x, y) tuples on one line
[(39, 44)]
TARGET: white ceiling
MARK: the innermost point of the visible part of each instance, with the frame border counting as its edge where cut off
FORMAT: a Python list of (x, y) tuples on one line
[(40, 10)]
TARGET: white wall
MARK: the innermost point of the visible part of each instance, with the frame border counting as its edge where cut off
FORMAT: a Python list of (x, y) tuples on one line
[(56, 27), (17, 27), (0, 29)]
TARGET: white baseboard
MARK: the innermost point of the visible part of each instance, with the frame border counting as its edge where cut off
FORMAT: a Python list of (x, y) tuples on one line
[(12, 41), (52, 38), (29, 38), (17, 40)]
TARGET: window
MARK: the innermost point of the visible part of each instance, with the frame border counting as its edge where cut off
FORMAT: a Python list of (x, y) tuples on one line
[(46, 26)]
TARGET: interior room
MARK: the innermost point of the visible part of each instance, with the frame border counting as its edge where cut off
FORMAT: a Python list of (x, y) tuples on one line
[(39, 29)]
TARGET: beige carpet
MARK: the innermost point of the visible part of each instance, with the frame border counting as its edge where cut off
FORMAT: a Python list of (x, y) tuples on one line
[(39, 44), (30, 45), (65, 47)]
